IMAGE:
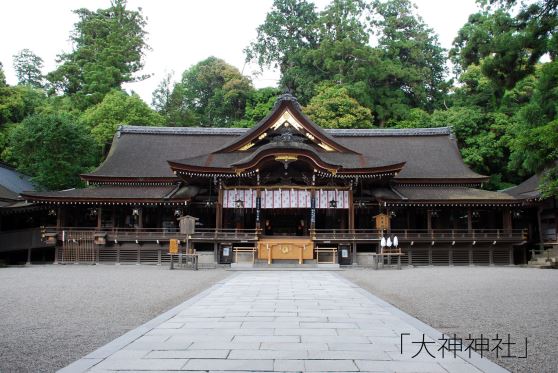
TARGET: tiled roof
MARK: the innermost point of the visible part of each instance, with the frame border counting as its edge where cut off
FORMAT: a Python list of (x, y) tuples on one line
[(106, 192), (449, 193), (12, 183)]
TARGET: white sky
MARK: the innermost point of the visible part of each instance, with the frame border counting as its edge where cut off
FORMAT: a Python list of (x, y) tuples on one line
[(181, 32)]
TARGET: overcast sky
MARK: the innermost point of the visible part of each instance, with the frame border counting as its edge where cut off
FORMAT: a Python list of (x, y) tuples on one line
[(181, 33)]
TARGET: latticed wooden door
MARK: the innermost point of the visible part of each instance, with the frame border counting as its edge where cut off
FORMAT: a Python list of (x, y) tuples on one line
[(78, 247)]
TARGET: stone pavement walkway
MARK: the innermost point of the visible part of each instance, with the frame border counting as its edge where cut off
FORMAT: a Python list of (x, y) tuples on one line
[(282, 321)]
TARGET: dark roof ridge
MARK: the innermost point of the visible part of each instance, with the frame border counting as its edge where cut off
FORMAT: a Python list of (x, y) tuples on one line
[(354, 132), (180, 130), (430, 131)]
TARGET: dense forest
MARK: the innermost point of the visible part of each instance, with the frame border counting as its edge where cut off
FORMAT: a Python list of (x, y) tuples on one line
[(354, 64)]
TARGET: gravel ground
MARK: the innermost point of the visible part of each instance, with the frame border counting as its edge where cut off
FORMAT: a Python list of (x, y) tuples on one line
[(53, 315), (520, 301)]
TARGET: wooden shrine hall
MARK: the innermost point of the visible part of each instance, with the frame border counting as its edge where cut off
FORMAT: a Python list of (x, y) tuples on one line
[(285, 190)]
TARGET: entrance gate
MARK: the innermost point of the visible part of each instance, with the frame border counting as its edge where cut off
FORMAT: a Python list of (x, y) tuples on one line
[(77, 247)]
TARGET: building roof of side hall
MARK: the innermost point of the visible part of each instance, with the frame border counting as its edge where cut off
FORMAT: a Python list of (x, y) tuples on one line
[(146, 194)]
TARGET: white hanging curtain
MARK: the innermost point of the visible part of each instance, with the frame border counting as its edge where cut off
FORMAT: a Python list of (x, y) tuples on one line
[(286, 198)]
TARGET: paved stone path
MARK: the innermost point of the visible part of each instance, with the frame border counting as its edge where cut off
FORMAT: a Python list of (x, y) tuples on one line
[(281, 321)]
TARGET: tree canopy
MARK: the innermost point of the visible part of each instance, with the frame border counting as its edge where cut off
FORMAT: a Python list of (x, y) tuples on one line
[(53, 149), (351, 64), (109, 46), (28, 66), (118, 108)]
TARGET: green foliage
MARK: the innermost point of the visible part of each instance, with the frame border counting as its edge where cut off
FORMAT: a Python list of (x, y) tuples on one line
[(53, 149), (160, 99), (118, 108), (27, 66), (211, 93), (2, 76), (534, 141), (413, 50), (109, 45), (416, 118), (332, 107), (289, 26), (18, 102), (259, 104), (404, 71), (507, 46)]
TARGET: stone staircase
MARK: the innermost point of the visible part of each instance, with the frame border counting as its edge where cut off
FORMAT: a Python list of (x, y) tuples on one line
[(284, 264), (547, 258)]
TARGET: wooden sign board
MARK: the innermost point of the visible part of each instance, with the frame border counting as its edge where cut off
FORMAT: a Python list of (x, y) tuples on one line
[(173, 246), (382, 221)]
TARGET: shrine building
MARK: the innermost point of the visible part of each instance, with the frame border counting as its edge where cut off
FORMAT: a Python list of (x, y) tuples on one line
[(284, 191)]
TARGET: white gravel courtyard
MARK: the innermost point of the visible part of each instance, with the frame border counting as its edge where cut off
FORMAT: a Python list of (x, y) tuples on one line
[(53, 315), (479, 300)]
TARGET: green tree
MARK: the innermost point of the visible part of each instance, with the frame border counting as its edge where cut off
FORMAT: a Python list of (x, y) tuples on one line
[(332, 107), (508, 46), (413, 50), (118, 108), (28, 66), (210, 93), (162, 94), (109, 46), (2, 76), (406, 70), (18, 102), (52, 149), (289, 26), (534, 137), (258, 105)]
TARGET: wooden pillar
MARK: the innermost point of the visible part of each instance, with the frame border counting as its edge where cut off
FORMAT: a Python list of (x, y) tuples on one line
[(58, 219), (351, 212), (215, 252), (429, 220), (99, 218), (506, 219), (450, 257), (469, 220), (354, 246), (219, 209), (539, 223), (28, 256), (140, 218)]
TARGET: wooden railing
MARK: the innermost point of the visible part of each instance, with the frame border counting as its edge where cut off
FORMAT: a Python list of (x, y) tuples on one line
[(162, 234), (247, 235), (21, 239), (423, 234)]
